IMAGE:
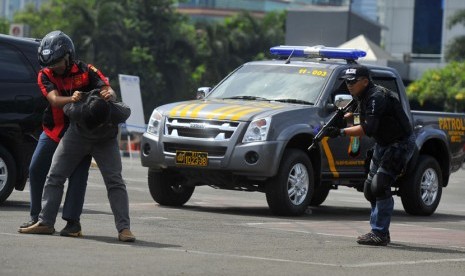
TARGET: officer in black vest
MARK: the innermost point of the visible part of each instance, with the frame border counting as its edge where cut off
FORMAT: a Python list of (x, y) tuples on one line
[(380, 116)]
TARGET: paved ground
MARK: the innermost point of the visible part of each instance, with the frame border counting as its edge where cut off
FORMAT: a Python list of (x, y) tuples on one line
[(233, 233)]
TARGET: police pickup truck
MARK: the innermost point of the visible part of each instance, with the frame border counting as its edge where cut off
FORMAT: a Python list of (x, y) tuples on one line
[(252, 131)]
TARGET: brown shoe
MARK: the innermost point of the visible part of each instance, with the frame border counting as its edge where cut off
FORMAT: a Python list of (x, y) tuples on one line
[(28, 224), (126, 236), (38, 228)]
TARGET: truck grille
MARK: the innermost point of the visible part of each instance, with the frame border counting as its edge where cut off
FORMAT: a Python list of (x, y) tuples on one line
[(201, 129)]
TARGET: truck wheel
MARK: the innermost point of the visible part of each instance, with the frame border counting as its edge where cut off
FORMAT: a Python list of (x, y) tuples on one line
[(320, 195), (290, 191), (7, 174), (422, 190), (167, 188)]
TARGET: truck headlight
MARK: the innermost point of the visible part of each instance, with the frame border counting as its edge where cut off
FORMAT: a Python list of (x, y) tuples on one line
[(155, 123), (257, 130)]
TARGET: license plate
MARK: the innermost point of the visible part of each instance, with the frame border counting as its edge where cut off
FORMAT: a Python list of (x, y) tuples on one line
[(192, 158)]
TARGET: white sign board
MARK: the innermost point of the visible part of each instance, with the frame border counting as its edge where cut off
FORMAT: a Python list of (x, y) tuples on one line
[(17, 30), (130, 93)]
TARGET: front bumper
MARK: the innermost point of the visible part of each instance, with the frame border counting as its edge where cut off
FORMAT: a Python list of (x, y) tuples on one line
[(157, 154)]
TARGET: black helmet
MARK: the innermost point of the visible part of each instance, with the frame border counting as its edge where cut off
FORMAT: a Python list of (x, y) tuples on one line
[(54, 46)]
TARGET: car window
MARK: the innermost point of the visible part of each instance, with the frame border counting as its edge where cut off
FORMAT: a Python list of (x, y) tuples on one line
[(388, 83), (13, 66)]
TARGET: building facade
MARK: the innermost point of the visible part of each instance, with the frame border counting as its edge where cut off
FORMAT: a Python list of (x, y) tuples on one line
[(211, 10), (416, 31)]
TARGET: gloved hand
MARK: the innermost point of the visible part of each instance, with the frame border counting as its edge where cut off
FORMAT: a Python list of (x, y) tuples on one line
[(333, 132)]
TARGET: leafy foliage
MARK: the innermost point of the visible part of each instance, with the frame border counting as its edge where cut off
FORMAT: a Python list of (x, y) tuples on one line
[(4, 26), (441, 87), (444, 88)]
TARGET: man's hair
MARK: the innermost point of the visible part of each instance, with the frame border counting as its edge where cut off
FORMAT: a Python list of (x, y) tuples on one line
[(98, 111)]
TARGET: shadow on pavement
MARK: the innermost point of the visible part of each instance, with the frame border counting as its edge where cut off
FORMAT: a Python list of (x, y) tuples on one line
[(14, 205), (318, 213), (24, 206), (423, 249), (137, 243)]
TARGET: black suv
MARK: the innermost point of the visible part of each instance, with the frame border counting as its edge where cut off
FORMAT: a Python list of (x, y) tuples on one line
[(21, 109)]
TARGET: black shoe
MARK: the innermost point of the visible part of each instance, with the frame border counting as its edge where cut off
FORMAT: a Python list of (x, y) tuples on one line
[(372, 238), (72, 229), (388, 237), (28, 224)]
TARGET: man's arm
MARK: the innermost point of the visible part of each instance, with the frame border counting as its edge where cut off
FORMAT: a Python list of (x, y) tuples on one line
[(56, 100)]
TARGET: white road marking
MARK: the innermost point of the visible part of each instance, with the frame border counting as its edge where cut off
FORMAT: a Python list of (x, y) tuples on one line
[(150, 218), (396, 263)]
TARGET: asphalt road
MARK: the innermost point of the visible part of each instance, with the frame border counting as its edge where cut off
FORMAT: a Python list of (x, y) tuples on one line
[(233, 233)]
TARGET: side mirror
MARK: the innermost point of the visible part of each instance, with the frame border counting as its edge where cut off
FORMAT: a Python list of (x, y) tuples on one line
[(202, 92), (341, 100)]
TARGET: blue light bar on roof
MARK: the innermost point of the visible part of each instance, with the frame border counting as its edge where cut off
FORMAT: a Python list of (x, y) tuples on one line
[(317, 51)]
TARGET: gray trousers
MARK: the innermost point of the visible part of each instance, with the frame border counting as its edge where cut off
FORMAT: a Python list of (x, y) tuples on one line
[(70, 151)]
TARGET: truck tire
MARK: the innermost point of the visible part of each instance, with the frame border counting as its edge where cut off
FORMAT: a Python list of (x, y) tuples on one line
[(422, 190), (7, 174), (320, 195), (166, 188), (290, 191)]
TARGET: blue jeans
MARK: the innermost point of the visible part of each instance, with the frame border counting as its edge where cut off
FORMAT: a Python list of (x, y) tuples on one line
[(381, 212), (393, 165), (38, 170)]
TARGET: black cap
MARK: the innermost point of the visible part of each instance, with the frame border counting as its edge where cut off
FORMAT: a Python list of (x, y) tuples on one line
[(356, 71)]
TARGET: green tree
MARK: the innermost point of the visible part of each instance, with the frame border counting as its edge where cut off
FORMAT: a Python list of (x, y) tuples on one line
[(455, 50), (4, 25), (52, 15), (225, 46), (441, 87), (162, 47), (98, 29)]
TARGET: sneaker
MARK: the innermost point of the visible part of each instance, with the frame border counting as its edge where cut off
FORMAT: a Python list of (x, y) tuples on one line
[(388, 237), (28, 224), (38, 228), (372, 238), (126, 236), (72, 229)]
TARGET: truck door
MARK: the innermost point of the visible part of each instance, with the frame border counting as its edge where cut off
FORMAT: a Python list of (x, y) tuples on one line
[(345, 156)]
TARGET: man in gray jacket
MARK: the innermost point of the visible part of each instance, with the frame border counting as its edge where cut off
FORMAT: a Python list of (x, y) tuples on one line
[(93, 130)]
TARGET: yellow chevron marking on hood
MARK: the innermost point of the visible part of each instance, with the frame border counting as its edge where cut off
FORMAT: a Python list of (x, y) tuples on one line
[(220, 111), (196, 110), (174, 111), (186, 109), (234, 111), (231, 111), (238, 115), (329, 156)]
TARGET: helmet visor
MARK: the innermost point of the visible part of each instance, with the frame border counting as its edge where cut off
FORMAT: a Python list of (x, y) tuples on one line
[(57, 64)]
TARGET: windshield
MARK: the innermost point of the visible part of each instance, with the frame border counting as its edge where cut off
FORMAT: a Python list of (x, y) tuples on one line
[(273, 82)]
